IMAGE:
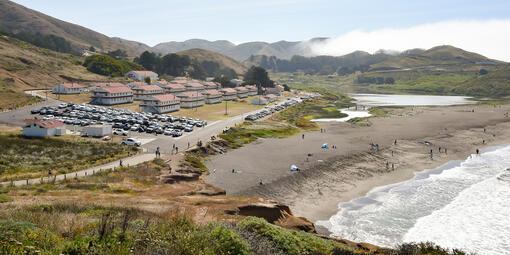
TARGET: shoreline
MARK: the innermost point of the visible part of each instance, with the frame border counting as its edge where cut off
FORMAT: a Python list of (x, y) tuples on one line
[(350, 172)]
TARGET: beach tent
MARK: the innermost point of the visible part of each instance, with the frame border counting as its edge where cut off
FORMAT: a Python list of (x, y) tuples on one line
[(325, 146), (294, 168)]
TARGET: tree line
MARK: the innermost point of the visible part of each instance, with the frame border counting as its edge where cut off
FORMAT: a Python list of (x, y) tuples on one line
[(182, 65), (109, 66), (375, 80), (321, 65)]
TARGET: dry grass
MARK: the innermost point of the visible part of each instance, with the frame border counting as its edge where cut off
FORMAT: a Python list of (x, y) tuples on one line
[(217, 111), (82, 98)]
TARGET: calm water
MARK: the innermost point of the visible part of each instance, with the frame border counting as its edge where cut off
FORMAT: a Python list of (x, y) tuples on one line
[(372, 100), (463, 205), (409, 100)]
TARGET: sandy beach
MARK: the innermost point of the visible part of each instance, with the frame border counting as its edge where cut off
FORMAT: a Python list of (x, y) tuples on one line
[(351, 170)]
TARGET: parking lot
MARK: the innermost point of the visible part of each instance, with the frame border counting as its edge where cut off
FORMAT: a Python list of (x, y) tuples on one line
[(151, 130)]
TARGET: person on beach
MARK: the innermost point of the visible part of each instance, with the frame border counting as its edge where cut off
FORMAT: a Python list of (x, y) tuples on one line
[(260, 182), (176, 149), (303, 136), (387, 164), (233, 171), (395, 142), (483, 141), (431, 155), (439, 149), (392, 166), (120, 162), (377, 147), (321, 130), (477, 151), (445, 151)]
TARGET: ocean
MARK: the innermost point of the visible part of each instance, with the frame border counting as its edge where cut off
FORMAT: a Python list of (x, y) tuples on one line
[(463, 205)]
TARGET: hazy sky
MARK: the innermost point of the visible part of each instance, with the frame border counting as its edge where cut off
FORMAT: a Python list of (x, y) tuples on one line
[(155, 21)]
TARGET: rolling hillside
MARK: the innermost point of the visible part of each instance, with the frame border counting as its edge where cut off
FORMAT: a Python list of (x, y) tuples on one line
[(281, 49), (206, 55), (16, 18), (438, 57), (495, 83)]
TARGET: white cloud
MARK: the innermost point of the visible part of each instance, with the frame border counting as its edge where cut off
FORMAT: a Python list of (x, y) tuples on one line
[(489, 38)]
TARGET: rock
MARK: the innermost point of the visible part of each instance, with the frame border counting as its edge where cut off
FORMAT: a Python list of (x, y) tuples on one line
[(278, 214), (179, 177)]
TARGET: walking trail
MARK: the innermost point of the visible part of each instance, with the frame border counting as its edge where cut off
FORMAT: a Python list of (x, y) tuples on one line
[(130, 161)]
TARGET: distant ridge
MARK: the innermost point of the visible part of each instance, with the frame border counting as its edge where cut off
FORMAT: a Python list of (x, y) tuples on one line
[(241, 52)]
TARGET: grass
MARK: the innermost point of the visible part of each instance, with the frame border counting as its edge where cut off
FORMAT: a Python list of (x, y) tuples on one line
[(250, 131), (325, 106), (5, 199), (82, 98), (10, 99), (217, 111), (22, 157)]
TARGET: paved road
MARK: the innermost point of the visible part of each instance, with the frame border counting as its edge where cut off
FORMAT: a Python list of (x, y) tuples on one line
[(17, 117), (137, 159)]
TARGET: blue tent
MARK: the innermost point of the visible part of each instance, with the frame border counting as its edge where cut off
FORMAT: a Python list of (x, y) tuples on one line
[(294, 168), (325, 146)]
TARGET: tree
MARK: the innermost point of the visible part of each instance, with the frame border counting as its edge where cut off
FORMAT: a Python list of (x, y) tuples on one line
[(225, 82), (286, 87), (148, 60), (118, 54), (389, 80), (258, 75), (147, 80), (106, 65), (483, 72), (92, 49)]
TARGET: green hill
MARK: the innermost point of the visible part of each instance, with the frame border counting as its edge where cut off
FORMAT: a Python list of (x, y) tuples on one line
[(494, 84), (16, 18), (201, 55), (445, 57)]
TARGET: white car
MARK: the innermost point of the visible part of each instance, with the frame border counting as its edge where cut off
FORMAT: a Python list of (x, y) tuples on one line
[(120, 132), (130, 141)]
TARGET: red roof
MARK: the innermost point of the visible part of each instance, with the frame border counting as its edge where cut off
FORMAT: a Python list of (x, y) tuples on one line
[(194, 85), (251, 87), (273, 89), (190, 94), (137, 83), (228, 90), (175, 86), (210, 84), (122, 89), (181, 81), (271, 96), (242, 89), (46, 123), (109, 84), (211, 92), (164, 98), (72, 85), (161, 82), (148, 88)]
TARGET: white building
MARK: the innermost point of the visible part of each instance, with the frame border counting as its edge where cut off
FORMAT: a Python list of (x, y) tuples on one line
[(242, 92), (228, 94), (191, 99), (112, 95), (271, 97), (135, 84), (97, 130), (211, 85), (194, 86), (174, 88), (161, 104), (42, 128), (144, 91), (140, 75), (67, 88), (237, 82), (212, 96), (252, 90)]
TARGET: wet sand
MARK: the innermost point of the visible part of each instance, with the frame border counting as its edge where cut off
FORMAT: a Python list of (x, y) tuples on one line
[(332, 176)]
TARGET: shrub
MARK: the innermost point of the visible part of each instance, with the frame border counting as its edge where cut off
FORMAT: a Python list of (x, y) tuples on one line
[(5, 199)]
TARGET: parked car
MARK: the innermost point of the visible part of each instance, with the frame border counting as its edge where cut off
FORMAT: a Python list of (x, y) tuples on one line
[(131, 141), (120, 132)]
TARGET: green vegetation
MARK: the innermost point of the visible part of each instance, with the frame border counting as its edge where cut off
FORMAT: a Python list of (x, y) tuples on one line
[(5, 199), (51, 42), (180, 64), (249, 131), (293, 242), (325, 106), (23, 157), (258, 75), (109, 66), (95, 229)]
